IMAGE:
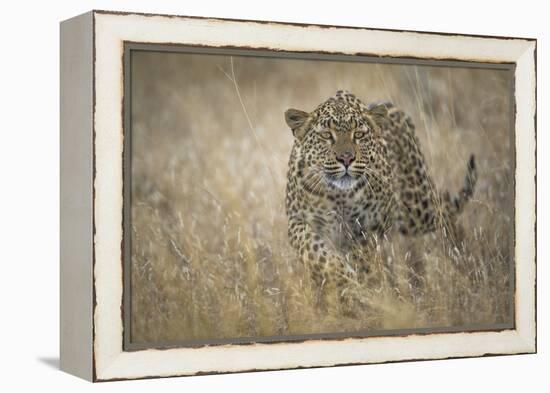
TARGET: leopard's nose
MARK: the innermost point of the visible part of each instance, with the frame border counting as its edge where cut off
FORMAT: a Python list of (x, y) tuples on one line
[(346, 158)]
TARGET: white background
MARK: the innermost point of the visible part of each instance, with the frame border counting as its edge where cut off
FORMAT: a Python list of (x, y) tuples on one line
[(29, 196)]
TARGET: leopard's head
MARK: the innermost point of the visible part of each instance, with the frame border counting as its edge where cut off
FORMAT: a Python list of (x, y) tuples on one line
[(338, 142)]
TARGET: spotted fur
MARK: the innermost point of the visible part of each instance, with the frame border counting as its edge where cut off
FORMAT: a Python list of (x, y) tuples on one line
[(357, 171)]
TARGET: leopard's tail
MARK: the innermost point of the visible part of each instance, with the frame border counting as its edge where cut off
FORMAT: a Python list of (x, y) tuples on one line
[(457, 203)]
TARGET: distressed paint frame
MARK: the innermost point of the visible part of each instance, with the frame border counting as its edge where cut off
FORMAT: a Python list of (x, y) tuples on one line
[(108, 360)]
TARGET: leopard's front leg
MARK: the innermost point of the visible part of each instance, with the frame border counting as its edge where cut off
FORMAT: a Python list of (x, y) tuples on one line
[(327, 266)]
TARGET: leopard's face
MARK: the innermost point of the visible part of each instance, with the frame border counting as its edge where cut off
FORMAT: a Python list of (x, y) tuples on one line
[(337, 144)]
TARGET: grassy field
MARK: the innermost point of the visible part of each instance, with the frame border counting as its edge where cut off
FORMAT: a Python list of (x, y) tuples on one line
[(210, 254)]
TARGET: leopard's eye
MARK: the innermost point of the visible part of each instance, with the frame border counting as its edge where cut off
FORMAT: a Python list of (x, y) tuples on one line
[(326, 135), (359, 134)]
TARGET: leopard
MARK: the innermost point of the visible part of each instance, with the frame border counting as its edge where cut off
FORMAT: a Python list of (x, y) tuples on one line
[(356, 172)]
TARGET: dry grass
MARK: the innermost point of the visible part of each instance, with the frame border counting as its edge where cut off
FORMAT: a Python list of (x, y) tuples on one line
[(210, 255)]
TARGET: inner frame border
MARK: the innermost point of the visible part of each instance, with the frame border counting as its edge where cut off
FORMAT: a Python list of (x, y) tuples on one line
[(130, 46)]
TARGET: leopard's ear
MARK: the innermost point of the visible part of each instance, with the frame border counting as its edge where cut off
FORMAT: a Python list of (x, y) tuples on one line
[(298, 121), (377, 114)]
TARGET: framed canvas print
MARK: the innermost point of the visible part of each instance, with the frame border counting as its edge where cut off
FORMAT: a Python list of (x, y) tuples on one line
[(246, 195)]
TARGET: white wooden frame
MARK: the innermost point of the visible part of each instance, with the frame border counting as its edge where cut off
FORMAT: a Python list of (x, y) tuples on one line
[(92, 195)]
